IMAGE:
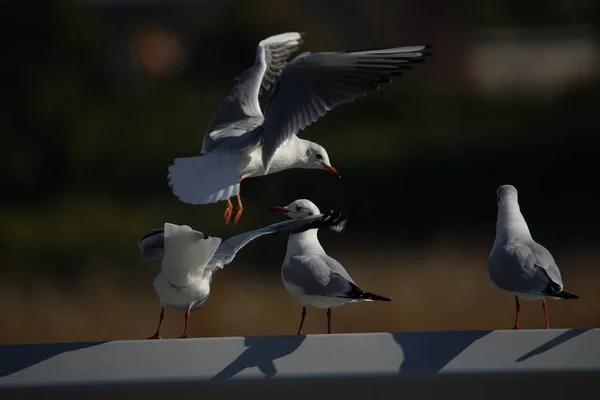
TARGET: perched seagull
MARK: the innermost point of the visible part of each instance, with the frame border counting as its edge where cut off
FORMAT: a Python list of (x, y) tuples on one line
[(517, 263), (242, 143), (190, 258), (312, 276)]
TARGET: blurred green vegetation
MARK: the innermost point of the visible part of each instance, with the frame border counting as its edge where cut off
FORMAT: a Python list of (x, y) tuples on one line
[(89, 134)]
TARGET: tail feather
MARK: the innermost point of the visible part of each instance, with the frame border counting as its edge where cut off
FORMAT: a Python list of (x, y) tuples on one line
[(566, 295), (204, 179)]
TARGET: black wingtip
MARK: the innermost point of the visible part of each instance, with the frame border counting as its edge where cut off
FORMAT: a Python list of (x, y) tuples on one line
[(358, 293), (567, 295), (334, 220), (374, 297)]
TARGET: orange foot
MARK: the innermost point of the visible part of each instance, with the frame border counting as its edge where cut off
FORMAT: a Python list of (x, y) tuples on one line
[(228, 211), (240, 210), (155, 336)]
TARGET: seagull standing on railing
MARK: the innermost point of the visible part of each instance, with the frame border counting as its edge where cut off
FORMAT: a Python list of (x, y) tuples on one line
[(312, 276), (517, 263), (242, 143), (190, 258)]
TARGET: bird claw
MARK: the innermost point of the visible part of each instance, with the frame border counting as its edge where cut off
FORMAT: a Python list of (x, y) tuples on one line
[(228, 212), (156, 336), (238, 215), (184, 336)]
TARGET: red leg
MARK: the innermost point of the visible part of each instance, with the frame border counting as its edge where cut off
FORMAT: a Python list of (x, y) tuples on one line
[(518, 308), (228, 211), (187, 318), (329, 320), (302, 320), (545, 313), (160, 319), (240, 209)]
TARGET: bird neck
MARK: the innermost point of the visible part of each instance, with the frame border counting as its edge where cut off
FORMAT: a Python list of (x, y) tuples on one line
[(303, 242), (510, 223), (291, 154)]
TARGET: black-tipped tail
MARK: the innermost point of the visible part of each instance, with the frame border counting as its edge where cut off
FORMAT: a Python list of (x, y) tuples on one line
[(567, 295)]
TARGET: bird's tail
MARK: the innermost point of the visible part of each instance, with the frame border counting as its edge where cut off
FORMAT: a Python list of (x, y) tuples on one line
[(567, 296), (204, 179)]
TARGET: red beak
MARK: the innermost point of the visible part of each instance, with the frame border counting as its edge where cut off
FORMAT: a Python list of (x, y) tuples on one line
[(332, 170), (279, 209)]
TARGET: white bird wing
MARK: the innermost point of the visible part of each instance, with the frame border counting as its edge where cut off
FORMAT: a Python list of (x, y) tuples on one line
[(186, 252), (226, 252), (240, 111), (314, 83)]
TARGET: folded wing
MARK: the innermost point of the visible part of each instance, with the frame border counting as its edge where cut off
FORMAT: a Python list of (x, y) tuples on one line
[(152, 245)]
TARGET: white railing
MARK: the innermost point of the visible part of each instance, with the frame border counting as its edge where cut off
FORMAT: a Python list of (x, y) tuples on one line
[(533, 364)]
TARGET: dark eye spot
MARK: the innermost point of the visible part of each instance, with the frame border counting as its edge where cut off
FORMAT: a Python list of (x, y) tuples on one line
[(298, 208), (319, 157)]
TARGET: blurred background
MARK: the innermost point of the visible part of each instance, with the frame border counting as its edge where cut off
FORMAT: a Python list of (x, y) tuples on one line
[(99, 97)]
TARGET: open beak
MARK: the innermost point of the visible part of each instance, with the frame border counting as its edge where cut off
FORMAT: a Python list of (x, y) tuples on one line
[(332, 170), (279, 209)]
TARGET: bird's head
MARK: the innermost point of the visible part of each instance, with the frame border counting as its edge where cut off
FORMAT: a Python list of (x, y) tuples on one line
[(298, 209), (317, 158)]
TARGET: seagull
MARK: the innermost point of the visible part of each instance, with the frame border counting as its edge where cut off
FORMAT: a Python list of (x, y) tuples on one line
[(517, 263), (312, 276), (190, 258), (243, 143)]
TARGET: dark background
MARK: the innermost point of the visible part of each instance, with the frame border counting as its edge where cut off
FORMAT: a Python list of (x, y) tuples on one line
[(99, 97)]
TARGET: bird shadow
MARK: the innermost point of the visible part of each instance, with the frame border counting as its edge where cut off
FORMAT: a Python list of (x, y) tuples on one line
[(429, 352), (563, 337), (261, 352), (17, 357)]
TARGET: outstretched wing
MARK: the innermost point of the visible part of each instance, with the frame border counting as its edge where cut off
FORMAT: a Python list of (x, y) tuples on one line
[(240, 111), (226, 252), (314, 83)]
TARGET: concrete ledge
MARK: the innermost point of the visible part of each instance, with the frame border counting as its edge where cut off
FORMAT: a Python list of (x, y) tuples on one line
[(427, 364)]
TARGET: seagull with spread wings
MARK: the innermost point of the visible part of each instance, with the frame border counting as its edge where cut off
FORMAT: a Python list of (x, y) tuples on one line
[(190, 258), (242, 143)]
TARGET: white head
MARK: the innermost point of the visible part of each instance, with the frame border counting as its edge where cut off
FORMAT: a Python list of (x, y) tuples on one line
[(298, 209), (316, 157), (507, 195)]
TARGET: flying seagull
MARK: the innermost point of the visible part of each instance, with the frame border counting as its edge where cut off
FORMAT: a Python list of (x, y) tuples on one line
[(243, 143)]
